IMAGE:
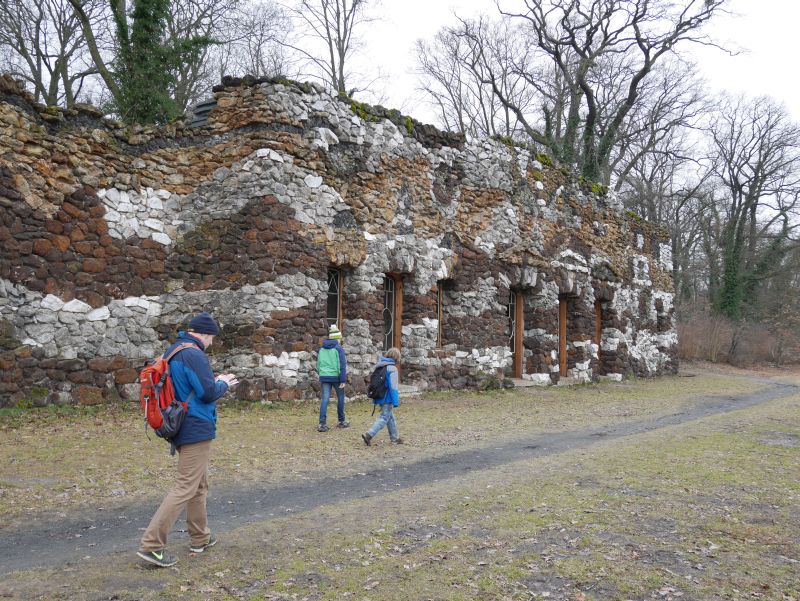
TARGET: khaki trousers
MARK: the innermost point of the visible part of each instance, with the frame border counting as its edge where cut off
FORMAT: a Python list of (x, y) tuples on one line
[(190, 491)]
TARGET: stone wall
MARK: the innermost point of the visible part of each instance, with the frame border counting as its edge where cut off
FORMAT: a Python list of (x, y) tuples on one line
[(113, 236)]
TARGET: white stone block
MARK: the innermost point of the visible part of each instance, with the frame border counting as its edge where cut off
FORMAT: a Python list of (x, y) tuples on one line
[(539, 379), (136, 301), (154, 224), (100, 314), (52, 302), (270, 360), (69, 353), (328, 136), (268, 153), (313, 181), (76, 306), (162, 238)]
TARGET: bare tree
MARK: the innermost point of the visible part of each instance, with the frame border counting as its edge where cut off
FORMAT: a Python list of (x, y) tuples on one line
[(464, 102), (665, 185), (672, 101), (447, 83), (757, 161), (332, 24), (579, 39), (253, 42), (189, 19), (43, 44)]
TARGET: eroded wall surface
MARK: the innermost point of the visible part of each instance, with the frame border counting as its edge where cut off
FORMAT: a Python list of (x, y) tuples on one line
[(113, 236)]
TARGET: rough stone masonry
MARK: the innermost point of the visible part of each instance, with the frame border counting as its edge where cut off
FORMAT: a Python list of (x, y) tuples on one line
[(291, 209)]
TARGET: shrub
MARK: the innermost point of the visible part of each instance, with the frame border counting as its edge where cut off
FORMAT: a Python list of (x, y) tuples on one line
[(707, 337)]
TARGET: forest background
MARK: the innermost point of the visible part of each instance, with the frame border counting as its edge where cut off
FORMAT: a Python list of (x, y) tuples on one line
[(609, 88)]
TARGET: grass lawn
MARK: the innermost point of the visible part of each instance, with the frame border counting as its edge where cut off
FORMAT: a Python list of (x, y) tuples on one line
[(700, 511)]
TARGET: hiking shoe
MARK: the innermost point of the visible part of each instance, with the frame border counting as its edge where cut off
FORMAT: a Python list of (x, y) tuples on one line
[(397, 441), (162, 559), (366, 437), (212, 540), (322, 428), (344, 424)]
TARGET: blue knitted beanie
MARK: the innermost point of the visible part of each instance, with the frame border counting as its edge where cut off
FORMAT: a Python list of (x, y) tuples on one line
[(203, 323)]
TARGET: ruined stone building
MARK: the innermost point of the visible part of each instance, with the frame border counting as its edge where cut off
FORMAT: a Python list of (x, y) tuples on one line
[(289, 209)]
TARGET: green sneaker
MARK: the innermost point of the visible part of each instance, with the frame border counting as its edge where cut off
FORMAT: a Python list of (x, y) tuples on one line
[(211, 542), (162, 559)]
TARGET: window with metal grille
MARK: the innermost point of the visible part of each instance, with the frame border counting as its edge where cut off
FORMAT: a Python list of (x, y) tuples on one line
[(440, 313), (334, 309), (389, 308)]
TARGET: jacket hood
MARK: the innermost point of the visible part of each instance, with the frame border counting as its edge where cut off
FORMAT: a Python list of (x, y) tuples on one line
[(330, 343), (386, 361)]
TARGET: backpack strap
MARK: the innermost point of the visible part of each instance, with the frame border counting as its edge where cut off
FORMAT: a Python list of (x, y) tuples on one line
[(181, 347)]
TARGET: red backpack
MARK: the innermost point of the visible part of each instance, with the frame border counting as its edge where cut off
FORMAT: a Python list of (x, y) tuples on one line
[(162, 411)]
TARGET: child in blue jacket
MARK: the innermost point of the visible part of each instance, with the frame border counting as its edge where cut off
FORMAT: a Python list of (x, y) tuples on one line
[(389, 401)]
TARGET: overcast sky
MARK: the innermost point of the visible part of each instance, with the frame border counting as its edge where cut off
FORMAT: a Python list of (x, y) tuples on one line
[(766, 31)]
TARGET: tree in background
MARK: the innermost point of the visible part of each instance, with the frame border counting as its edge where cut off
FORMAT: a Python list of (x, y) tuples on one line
[(191, 74), (589, 61), (464, 102), (332, 24), (146, 61), (141, 74), (254, 41), (42, 43), (757, 161)]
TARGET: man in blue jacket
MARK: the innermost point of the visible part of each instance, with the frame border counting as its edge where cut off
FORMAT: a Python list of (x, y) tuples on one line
[(332, 368), (194, 382)]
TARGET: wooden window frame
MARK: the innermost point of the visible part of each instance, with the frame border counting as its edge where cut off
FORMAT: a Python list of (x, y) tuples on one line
[(440, 313), (397, 325), (598, 322), (563, 302), (517, 327)]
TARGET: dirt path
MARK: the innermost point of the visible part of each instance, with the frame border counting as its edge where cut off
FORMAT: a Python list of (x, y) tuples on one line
[(49, 543)]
